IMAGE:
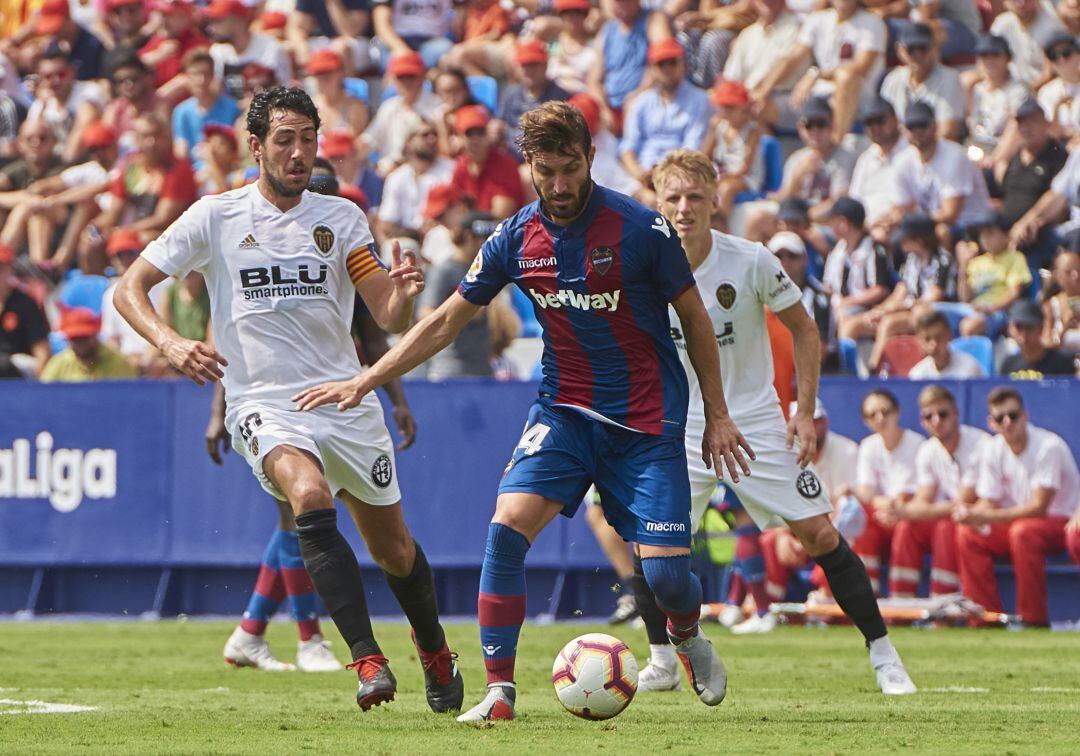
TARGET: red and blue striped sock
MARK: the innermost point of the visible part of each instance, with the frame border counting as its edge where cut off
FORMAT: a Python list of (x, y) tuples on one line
[(750, 565), (678, 593), (302, 600), (501, 603), (269, 590)]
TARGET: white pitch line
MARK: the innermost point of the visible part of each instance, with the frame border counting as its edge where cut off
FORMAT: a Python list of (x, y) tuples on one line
[(42, 707), (956, 689), (1055, 690)]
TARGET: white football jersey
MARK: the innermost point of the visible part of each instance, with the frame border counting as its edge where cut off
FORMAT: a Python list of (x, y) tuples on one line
[(934, 466), (1046, 462), (736, 280), (281, 286), (888, 473)]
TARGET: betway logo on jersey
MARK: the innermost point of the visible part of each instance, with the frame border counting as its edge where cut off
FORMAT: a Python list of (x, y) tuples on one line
[(63, 476), (609, 300), (666, 527), (263, 282)]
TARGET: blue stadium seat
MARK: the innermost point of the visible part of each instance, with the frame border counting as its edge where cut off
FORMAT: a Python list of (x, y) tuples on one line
[(485, 90), (80, 290), (530, 329), (849, 355), (359, 89), (773, 158), (979, 347)]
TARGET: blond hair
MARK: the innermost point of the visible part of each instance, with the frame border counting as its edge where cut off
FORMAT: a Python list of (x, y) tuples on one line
[(935, 393), (691, 164)]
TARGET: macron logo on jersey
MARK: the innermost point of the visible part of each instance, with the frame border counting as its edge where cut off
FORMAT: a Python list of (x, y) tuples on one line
[(666, 527), (609, 300)]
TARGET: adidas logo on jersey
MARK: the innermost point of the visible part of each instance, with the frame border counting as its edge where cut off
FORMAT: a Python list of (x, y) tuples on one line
[(609, 300), (248, 242)]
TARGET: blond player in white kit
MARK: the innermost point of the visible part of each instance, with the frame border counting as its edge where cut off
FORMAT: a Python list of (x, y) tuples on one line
[(737, 279), (282, 267)]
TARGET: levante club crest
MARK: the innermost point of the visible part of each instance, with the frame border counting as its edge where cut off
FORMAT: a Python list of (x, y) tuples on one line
[(602, 259)]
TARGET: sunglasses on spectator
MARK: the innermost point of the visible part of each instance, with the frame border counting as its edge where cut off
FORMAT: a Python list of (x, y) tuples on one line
[(1058, 53), (816, 123), (883, 411), (918, 126), (1013, 415), (940, 415)]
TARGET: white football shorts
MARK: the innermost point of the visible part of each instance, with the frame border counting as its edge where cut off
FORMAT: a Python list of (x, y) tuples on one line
[(353, 447), (777, 488)]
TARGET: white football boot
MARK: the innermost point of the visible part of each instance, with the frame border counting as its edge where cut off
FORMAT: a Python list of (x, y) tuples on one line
[(892, 678), (703, 666), (730, 616), (758, 623), (497, 704), (246, 650), (314, 655)]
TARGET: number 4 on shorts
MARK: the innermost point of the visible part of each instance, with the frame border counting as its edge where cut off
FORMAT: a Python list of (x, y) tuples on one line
[(533, 437)]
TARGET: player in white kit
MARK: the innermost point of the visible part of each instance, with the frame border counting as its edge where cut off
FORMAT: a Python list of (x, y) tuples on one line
[(737, 279), (282, 267)]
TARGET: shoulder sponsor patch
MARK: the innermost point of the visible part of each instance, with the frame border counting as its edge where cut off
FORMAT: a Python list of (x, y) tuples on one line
[(477, 267)]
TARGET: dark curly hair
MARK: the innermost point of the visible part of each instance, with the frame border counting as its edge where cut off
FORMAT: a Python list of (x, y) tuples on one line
[(554, 127), (278, 98)]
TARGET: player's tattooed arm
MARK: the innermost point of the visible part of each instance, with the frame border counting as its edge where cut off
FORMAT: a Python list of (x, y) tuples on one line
[(428, 337), (198, 361), (723, 443), (807, 347)]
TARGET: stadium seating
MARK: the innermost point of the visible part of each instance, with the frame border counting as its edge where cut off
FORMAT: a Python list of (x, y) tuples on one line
[(979, 347), (849, 355), (358, 88), (485, 90), (901, 353)]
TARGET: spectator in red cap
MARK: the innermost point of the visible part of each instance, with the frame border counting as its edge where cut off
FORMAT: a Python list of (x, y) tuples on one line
[(484, 171), (733, 143), (345, 153), (57, 30), (607, 167), (623, 43), (235, 45), (673, 113), (446, 205), (66, 201), (218, 169), (404, 25), (343, 25), (66, 104), (574, 55), (86, 358), (23, 328), (407, 186), (151, 190), (337, 108), (133, 87), (166, 49), (386, 133), (533, 87), (208, 104), (272, 23)]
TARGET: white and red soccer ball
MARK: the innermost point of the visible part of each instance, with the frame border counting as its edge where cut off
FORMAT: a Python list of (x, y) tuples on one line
[(595, 676)]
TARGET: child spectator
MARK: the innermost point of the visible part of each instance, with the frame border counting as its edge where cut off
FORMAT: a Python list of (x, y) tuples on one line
[(1062, 309), (941, 361), (208, 104), (857, 270), (734, 141), (988, 283)]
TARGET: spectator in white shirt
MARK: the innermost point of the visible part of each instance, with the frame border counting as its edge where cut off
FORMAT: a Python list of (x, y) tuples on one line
[(847, 46), (1027, 25), (941, 361), (934, 176), (1060, 98), (407, 186), (884, 476), (923, 79), (872, 181), (1028, 488), (946, 469), (386, 132), (993, 100), (235, 46), (754, 53)]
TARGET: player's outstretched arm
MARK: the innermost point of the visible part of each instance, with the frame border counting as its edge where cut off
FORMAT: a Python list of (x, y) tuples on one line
[(807, 345), (428, 337), (723, 443), (198, 361), (390, 297)]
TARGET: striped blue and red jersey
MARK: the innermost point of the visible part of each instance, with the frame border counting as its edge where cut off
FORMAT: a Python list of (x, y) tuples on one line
[(600, 288)]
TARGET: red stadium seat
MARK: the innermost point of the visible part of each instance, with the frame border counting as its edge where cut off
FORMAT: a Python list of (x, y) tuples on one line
[(900, 356)]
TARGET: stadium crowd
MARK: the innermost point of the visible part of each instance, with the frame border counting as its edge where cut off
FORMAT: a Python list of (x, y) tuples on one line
[(928, 190)]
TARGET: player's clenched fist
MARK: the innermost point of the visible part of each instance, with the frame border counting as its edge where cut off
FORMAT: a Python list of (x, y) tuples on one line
[(346, 394), (196, 360), (723, 444), (405, 273)]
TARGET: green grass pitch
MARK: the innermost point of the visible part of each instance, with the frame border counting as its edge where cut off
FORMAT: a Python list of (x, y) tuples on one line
[(162, 688)]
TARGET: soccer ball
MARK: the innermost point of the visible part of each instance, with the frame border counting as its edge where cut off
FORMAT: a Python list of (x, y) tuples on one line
[(595, 676)]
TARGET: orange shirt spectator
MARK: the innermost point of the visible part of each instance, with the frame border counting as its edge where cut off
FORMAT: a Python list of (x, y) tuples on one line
[(783, 357), (178, 34), (485, 18), (486, 172)]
